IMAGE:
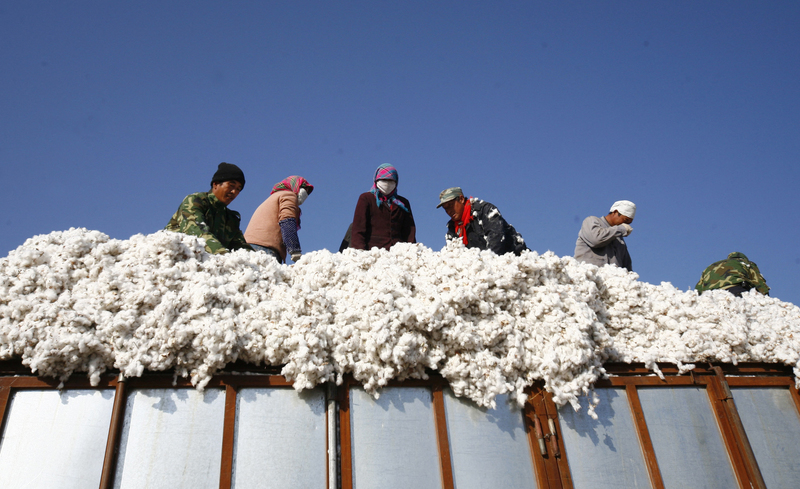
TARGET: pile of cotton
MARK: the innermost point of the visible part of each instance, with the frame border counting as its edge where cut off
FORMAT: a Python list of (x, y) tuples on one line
[(77, 301)]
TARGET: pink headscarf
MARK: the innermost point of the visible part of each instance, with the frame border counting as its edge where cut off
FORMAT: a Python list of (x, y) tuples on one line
[(293, 184)]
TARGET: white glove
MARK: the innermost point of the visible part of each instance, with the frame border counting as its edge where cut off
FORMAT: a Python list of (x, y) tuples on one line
[(628, 228), (296, 256)]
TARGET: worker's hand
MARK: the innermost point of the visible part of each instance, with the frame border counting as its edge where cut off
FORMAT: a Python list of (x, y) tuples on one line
[(628, 228), (296, 256)]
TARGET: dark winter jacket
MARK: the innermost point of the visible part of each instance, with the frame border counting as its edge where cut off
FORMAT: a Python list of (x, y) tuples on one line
[(489, 231), (382, 226)]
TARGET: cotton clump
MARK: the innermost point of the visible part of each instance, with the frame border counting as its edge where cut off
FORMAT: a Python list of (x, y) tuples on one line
[(78, 301)]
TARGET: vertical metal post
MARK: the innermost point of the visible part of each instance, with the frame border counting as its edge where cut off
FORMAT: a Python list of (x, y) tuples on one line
[(5, 395), (644, 437), (228, 433), (545, 468), (751, 465), (440, 424), (345, 436), (333, 448), (114, 431)]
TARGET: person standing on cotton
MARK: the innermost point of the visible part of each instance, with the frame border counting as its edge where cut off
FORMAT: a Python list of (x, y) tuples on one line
[(382, 218), (479, 224), (206, 214), (600, 240), (273, 227)]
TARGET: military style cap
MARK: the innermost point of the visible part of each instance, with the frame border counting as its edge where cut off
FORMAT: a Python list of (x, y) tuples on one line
[(449, 194)]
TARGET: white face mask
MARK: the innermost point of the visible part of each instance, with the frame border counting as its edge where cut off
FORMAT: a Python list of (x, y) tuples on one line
[(386, 186), (301, 196)]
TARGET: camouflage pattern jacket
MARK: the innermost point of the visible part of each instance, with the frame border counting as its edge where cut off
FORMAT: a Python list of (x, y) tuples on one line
[(734, 270), (203, 214)]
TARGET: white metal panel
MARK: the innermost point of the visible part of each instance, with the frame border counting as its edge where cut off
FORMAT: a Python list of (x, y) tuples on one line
[(280, 439), (488, 447), (55, 438), (394, 439), (171, 438), (686, 438), (772, 425), (603, 453)]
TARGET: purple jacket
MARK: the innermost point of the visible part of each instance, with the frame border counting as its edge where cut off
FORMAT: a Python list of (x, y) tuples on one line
[(382, 226)]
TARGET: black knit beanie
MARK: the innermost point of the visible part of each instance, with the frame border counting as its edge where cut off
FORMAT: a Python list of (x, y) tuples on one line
[(228, 171)]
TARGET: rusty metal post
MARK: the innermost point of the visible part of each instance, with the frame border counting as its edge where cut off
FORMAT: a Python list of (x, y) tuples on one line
[(228, 434), (333, 473), (442, 441), (114, 431), (733, 414)]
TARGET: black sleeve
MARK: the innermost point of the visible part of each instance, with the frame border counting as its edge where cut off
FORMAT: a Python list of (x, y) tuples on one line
[(495, 228), (409, 227)]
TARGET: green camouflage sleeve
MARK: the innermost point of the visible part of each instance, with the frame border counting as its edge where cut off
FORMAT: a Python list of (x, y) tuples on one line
[(757, 280), (719, 275), (704, 283), (190, 219), (237, 241)]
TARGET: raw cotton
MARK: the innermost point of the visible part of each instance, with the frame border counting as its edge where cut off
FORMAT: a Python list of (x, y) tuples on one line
[(77, 301)]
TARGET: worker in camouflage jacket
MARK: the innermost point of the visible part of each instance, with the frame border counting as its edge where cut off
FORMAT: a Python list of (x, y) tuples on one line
[(479, 224), (736, 274), (206, 214)]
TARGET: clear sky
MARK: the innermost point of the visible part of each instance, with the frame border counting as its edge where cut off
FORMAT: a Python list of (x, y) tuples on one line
[(112, 112)]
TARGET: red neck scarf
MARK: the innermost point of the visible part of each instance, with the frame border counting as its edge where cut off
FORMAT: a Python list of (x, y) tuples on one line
[(466, 218)]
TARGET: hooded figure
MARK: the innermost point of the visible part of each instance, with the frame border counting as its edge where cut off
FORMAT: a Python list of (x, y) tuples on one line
[(273, 227), (382, 218)]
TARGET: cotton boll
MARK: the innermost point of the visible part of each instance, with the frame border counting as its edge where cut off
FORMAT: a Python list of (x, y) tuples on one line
[(78, 301)]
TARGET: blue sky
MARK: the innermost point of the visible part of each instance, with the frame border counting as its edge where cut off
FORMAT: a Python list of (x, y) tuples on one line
[(112, 112)]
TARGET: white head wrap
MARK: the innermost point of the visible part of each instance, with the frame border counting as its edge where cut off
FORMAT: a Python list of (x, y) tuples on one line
[(625, 207)]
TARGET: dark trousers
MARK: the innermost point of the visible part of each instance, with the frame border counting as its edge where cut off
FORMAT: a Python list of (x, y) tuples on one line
[(738, 289), (270, 251)]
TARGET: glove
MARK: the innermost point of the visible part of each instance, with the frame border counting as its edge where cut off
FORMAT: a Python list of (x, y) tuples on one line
[(296, 256), (628, 229)]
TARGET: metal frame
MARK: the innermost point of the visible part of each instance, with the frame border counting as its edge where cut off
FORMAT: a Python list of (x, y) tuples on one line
[(123, 386), (551, 468), (716, 380), (540, 415), (436, 385)]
